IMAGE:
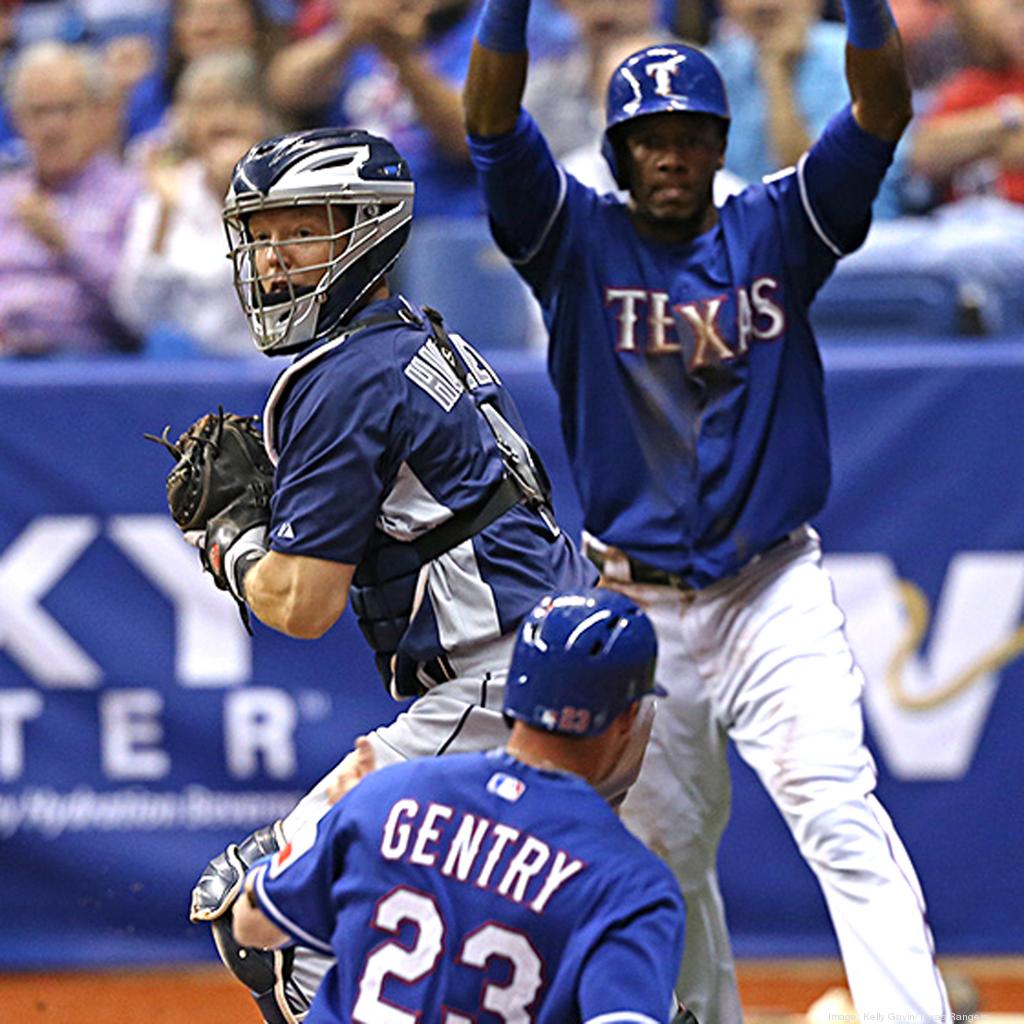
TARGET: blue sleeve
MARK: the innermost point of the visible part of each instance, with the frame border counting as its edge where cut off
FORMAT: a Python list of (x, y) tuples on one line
[(839, 179), (630, 974), (336, 431), (293, 886), (523, 187)]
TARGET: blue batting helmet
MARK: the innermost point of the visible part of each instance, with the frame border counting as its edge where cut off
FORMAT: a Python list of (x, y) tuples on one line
[(666, 78), (581, 658), (338, 169)]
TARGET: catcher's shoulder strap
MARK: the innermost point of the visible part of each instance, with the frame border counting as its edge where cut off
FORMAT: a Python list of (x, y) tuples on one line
[(524, 470), (383, 592), (288, 376)]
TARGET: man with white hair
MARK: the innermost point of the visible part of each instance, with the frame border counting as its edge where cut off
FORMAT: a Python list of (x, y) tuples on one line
[(62, 214)]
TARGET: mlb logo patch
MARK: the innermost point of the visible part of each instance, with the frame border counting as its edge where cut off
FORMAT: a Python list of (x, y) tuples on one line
[(508, 787), (548, 718)]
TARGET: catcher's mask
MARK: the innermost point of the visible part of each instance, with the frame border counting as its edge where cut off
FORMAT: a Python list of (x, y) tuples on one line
[(338, 170)]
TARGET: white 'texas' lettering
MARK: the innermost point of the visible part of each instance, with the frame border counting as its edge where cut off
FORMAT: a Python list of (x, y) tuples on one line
[(708, 345), (719, 333), (627, 314)]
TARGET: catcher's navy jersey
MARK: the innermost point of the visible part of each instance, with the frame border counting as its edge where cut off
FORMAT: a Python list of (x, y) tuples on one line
[(472, 889), (375, 429), (689, 378)]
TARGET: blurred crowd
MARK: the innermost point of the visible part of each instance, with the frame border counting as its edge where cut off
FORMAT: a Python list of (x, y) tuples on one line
[(121, 121)]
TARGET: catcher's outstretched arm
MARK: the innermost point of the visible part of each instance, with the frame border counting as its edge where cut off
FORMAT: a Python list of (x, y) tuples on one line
[(298, 595)]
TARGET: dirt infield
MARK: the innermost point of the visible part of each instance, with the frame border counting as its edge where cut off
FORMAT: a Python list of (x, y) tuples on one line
[(772, 991)]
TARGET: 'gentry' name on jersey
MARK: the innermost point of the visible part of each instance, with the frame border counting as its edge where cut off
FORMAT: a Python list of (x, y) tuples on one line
[(472, 849)]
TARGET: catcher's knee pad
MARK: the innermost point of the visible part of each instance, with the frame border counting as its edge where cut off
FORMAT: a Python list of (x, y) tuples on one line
[(266, 973)]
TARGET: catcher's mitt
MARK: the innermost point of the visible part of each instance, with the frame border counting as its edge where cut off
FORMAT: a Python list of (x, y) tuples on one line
[(216, 459)]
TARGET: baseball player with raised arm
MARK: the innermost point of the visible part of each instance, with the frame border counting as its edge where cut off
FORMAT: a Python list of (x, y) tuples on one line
[(495, 886), (402, 483), (693, 412)]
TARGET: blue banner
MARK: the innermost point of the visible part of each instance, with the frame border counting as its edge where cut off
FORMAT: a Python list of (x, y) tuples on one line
[(141, 729)]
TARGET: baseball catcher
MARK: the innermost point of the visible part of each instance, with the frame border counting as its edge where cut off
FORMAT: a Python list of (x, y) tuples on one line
[(402, 485)]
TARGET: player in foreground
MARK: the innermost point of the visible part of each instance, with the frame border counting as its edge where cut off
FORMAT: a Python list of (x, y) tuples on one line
[(693, 412), (401, 480), (499, 881)]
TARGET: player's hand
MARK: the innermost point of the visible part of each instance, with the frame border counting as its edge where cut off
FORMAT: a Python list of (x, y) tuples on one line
[(393, 26), (127, 60), (356, 766), (39, 217), (163, 178), (782, 39), (1011, 145)]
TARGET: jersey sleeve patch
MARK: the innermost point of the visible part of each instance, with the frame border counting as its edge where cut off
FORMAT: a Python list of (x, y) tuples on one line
[(429, 371)]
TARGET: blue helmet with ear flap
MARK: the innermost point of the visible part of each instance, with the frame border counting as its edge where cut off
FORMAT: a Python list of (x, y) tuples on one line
[(581, 658), (665, 78)]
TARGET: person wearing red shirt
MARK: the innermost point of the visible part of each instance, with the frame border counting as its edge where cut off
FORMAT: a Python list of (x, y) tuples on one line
[(973, 137)]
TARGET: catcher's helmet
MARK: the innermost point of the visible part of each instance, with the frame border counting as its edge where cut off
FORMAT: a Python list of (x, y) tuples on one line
[(581, 658), (666, 78), (331, 168)]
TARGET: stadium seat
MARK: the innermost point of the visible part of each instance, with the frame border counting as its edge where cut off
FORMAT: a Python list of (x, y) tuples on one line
[(453, 265), (897, 302)]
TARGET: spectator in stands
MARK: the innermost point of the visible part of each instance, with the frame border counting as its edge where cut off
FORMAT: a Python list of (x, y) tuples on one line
[(972, 141), (62, 215), (173, 285), (393, 67), (197, 28), (932, 41), (783, 67), (564, 91)]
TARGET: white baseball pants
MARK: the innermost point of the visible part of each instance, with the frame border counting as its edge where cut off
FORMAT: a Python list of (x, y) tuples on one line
[(761, 659)]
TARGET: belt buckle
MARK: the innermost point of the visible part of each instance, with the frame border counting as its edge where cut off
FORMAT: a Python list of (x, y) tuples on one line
[(614, 566)]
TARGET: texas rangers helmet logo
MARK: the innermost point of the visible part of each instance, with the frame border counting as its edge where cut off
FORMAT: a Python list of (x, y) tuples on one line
[(661, 71)]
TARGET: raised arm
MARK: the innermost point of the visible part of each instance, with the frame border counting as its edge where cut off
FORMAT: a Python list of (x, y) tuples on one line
[(497, 69), (305, 74), (875, 69)]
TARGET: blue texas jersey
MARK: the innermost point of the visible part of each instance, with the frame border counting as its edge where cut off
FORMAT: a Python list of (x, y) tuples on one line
[(688, 375), (473, 889), (376, 430)]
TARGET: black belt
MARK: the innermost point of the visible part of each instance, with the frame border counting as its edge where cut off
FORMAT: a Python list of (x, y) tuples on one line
[(641, 572)]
